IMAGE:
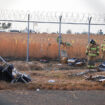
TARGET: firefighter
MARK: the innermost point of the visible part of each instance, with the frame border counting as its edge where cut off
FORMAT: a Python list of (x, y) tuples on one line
[(64, 47), (64, 44), (92, 52), (103, 50)]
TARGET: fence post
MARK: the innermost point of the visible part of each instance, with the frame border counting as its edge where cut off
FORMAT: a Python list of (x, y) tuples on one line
[(28, 30), (60, 18), (89, 21)]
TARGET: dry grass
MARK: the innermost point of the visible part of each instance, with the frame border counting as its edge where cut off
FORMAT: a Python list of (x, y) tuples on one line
[(15, 45), (62, 82)]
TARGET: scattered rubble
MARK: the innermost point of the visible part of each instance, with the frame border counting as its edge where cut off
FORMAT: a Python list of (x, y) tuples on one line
[(76, 62), (82, 73), (73, 61), (44, 60), (51, 81), (59, 64), (98, 78), (101, 67), (37, 90)]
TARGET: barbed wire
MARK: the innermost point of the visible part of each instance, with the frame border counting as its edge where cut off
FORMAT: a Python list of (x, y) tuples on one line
[(51, 16)]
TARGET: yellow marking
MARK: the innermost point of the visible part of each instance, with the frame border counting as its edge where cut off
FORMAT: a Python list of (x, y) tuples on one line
[(72, 41), (16, 41)]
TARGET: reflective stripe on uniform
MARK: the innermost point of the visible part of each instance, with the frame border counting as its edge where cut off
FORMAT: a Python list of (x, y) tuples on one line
[(97, 51), (86, 51), (103, 45), (87, 46), (91, 66), (103, 49), (90, 54), (93, 48)]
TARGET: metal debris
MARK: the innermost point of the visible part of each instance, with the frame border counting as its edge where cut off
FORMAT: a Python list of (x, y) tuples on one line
[(51, 81), (76, 62), (98, 78), (82, 73), (10, 74), (101, 67)]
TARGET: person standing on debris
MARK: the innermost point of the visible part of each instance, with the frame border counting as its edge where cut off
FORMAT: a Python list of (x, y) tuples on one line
[(103, 50), (64, 48), (92, 52), (64, 44)]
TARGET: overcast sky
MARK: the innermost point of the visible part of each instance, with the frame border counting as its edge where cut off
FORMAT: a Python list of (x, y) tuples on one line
[(55, 5), (75, 6)]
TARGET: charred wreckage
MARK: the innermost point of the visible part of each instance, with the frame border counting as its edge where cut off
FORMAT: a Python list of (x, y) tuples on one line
[(9, 73)]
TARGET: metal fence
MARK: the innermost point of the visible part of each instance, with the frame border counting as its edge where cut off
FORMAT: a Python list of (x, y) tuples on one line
[(29, 20)]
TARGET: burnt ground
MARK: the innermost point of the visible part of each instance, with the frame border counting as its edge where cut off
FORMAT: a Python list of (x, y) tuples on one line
[(49, 97)]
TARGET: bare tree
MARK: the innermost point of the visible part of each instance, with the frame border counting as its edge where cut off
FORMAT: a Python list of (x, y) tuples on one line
[(5, 25), (69, 31)]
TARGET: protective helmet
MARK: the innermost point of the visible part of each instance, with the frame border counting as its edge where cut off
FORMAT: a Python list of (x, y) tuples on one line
[(92, 41)]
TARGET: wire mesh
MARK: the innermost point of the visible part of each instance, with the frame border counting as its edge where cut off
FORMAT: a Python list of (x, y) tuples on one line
[(51, 16)]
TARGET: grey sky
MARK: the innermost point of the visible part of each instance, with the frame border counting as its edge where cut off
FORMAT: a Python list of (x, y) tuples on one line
[(47, 5), (75, 6), (97, 5)]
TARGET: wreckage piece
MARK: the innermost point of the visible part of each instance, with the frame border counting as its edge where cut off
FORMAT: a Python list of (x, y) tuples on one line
[(6, 73), (98, 78), (3, 60), (44, 60), (9, 74), (19, 77), (71, 61), (76, 62), (80, 62), (82, 73), (23, 78), (101, 67)]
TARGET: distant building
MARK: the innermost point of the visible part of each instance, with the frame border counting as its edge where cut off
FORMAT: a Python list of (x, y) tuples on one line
[(14, 31)]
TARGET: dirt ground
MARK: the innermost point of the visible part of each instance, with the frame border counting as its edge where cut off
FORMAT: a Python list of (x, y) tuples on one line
[(52, 83), (36, 65), (53, 76)]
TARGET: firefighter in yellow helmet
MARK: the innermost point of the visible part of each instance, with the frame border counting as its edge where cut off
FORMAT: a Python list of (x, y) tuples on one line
[(103, 50), (92, 52)]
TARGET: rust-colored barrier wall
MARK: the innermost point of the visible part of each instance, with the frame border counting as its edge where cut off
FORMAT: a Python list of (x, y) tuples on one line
[(40, 45)]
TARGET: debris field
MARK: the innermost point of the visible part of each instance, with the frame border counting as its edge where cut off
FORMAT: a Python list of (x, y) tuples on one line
[(55, 76)]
